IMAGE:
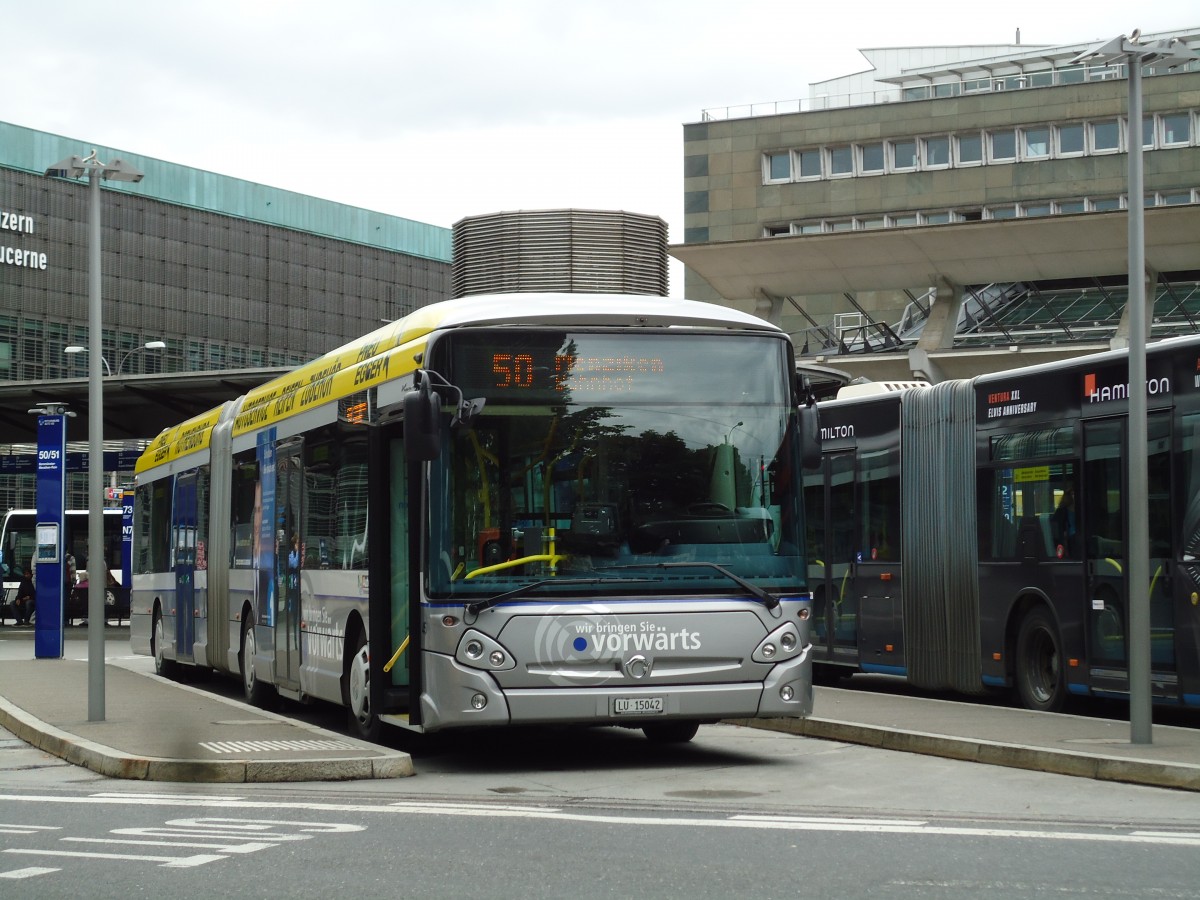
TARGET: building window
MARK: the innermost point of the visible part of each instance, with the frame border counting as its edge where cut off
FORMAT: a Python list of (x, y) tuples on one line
[(947, 89), (904, 155), (1033, 210), (1072, 75), (777, 230), (1035, 143), (1106, 136), (975, 85), (841, 160), (842, 225), (1148, 133), (779, 166), (1002, 212), (1002, 145), (870, 223), (870, 157), (969, 148), (1105, 204), (903, 220), (1041, 79), (1070, 139), (810, 163), (1066, 207), (942, 217), (937, 151), (811, 228), (1176, 129), (1176, 198)]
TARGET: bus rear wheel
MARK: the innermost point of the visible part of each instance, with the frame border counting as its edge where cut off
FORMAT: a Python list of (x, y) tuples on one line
[(1040, 681), (166, 668), (257, 693)]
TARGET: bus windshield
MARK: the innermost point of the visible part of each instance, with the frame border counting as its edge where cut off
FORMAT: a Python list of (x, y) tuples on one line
[(598, 457)]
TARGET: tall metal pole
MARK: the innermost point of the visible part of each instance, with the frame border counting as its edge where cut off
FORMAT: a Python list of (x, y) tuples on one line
[(1138, 542), (97, 563)]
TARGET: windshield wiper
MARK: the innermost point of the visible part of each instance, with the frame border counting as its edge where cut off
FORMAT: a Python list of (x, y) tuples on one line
[(769, 600), (475, 607)]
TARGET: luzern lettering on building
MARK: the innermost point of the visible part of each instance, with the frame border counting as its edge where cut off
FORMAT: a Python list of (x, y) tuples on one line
[(11, 255)]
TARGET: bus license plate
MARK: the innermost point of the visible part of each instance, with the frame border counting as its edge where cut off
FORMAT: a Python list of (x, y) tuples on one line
[(637, 706)]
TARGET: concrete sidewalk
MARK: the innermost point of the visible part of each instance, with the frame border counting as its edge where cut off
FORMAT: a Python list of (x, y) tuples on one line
[(160, 730)]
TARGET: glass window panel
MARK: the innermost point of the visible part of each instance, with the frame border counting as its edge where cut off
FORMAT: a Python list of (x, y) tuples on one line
[(1071, 206), (779, 166), (1105, 204), (841, 160), (1003, 144), (1177, 128), (871, 157), (977, 84), (904, 154), (842, 225), (810, 163), (947, 89), (873, 222), (1035, 143), (1041, 79), (1073, 75), (937, 150), (970, 148), (1037, 209), (811, 228), (1174, 199), (1106, 136), (1002, 212), (937, 218), (1070, 138), (1148, 132), (904, 219)]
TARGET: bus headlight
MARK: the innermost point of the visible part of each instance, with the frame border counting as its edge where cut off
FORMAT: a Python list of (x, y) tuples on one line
[(781, 644), (480, 651)]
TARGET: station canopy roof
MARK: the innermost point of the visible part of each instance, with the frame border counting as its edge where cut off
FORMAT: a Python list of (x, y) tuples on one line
[(136, 407), (964, 253)]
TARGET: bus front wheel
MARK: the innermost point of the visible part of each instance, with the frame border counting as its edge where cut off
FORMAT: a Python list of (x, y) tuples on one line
[(361, 718), (1040, 679), (677, 732)]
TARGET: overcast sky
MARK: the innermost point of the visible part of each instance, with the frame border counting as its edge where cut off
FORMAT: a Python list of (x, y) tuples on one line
[(448, 108)]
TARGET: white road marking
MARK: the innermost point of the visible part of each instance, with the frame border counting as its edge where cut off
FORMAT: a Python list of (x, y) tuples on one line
[(766, 822), (27, 829), (170, 862), (28, 872)]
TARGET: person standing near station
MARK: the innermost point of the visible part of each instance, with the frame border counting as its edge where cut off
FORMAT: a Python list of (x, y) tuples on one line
[(26, 599)]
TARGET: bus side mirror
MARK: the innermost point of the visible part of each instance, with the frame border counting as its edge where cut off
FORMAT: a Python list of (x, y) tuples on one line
[(810, 436), (422, 423)]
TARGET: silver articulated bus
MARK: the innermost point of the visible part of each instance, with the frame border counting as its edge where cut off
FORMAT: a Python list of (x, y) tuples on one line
[(503, 509)]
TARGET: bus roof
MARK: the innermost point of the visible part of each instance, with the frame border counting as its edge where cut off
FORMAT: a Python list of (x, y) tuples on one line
[(395, 349)]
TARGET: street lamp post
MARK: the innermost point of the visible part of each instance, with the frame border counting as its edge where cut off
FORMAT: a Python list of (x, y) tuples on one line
[(74, 167), (1135, 56), (149, 345)]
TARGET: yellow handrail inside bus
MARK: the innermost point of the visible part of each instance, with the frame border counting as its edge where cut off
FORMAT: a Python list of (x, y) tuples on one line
[(395, 656), (552, 558)]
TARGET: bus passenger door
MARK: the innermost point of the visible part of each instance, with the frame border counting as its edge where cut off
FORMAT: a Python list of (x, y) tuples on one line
[(829, 508), (394, 498), (289, 558), (183, 530)]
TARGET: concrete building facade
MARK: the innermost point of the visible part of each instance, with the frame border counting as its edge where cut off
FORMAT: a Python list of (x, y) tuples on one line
[(987, 183)]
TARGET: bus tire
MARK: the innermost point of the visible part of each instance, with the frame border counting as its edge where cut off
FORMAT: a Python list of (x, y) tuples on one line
[(1040, 678), (676, 732), (360, 718), (256, 692), (166, 668)]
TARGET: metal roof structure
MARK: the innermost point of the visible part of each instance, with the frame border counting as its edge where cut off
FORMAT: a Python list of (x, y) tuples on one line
[(964, 253)]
